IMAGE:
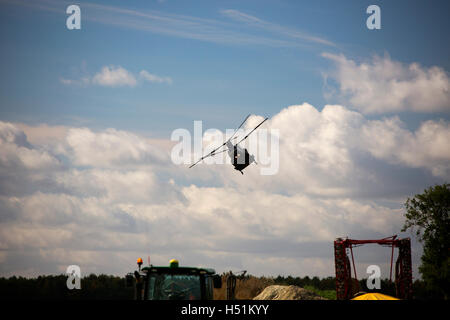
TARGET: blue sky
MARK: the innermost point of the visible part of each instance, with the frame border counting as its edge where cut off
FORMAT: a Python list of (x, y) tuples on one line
[(86, 117), (215, 80)]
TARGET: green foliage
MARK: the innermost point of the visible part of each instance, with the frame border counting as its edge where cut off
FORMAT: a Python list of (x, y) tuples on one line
[(428, 215), (328, 294), (325, 287)]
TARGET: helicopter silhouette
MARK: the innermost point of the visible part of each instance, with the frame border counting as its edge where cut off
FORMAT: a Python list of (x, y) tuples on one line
[(240, 157)]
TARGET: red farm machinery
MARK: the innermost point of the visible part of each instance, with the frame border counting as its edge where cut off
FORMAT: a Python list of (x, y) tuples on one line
[(346, 287)]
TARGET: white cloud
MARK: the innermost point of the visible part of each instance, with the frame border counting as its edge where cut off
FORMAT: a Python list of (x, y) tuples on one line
[(114, 76), (117, 76), (118, 196), (428, 147), (17, 152), (192, 27), (384, 85), (154, 78), (43, 134), (79, 82), (337, 152), (274, 28), (111, 148)]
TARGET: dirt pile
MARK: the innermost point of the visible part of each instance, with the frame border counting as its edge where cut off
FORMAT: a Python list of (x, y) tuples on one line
[(276, 292)]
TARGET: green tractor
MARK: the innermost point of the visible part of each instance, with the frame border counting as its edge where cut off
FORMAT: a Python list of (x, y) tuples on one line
[(173, 282)]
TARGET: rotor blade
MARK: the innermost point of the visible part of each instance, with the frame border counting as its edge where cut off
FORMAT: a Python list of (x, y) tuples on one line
[(205, 156), (222, 151), (238, 128), (252, 131), (197, 162), (212, 153)]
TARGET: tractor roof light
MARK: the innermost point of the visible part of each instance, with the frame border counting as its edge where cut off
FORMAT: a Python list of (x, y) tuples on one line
[(173, 263), (139, 263)]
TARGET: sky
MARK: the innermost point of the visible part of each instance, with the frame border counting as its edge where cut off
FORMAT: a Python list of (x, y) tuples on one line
[(87, 116)]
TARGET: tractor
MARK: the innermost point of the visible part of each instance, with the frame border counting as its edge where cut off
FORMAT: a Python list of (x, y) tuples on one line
[(173, 282)]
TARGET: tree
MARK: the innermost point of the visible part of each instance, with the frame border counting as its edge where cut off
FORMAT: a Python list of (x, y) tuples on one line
[(428, 213)]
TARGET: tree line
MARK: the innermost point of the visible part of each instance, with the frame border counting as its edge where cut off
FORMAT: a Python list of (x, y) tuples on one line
[(53, 287), (108, 287)]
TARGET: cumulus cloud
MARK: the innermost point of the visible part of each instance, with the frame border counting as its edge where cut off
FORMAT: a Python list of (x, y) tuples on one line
[(116, 76), (213, 222), (427, 147), (383, 85), (115, 194), (21, 162), (337, 152), (110, 148)]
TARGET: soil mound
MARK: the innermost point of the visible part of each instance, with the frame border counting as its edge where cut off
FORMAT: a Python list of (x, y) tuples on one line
[(277, 292)]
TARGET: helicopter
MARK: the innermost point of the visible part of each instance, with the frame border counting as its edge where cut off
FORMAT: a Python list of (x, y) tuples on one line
[(241, 158)]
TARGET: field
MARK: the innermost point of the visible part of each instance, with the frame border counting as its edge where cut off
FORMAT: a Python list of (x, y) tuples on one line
[(246, 288), (249, 287)]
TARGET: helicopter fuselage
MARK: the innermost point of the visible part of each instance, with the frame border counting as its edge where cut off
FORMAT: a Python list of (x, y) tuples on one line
[(240, 158)]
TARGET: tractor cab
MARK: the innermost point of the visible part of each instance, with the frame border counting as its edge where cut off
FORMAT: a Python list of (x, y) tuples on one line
[(173, 282)]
